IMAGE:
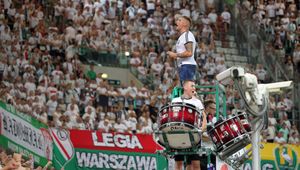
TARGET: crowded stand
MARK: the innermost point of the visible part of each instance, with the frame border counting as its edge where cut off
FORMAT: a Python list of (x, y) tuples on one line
[(42, 73), (278, 23)]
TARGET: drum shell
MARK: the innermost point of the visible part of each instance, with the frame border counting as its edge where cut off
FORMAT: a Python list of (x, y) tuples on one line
[(179, 117), (229, 132), (179, 112)]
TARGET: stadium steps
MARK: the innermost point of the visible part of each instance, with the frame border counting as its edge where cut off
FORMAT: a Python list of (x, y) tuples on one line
[(231, 52)]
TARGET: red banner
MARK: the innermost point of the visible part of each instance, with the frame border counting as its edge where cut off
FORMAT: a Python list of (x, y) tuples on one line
[(97, 140)]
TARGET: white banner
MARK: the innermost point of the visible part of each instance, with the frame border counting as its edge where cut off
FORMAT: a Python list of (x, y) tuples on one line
[(24, 134)]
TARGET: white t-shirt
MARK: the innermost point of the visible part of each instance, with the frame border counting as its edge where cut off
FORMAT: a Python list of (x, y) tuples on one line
[(131, 123), (226, 16), (180, 48), (193, 101), (150, 5), (212, 17), (293, 140), (261, 74), (279, 140), (271, 132), (120, 127), (104, 127), (156, 67), (210, 67), (271, 10), (51, 106)]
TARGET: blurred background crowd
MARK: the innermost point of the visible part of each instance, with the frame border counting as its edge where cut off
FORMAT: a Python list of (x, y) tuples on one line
[(43, 71)]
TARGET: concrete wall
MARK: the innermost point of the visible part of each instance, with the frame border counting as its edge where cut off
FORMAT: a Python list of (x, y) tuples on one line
[(115, 73)]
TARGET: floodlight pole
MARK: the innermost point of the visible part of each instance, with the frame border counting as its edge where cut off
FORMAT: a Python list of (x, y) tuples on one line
[(256, 143)]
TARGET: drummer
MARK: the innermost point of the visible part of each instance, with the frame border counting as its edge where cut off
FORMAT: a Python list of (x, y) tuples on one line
[(188, 96)]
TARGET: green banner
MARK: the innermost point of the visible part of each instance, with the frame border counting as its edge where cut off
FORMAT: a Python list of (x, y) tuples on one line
[(93, 159)]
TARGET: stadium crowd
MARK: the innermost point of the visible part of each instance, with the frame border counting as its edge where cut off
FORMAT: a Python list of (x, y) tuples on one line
[(41, 74), (278, 22)]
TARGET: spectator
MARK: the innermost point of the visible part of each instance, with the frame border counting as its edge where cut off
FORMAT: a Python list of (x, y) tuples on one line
[(104, 125), (52, 105), (120, 127), (261, 73), (210, 67), (279, 138), (226, 17), (285, 131), (294, 130), (213, 19), (91, 74), (156, 67), (271, 127), (294, 139)]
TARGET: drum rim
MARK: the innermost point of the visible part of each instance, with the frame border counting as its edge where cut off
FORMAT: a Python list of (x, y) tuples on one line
[(190, 106), (219, 124), (244, 136), (178, 123)]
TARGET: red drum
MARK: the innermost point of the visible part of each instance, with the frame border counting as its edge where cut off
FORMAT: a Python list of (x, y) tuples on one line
[(179, 117), (231, 135)]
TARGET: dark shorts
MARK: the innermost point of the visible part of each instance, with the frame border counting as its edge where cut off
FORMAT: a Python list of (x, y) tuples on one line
[(189, 158), (204, 161), (187, 72)]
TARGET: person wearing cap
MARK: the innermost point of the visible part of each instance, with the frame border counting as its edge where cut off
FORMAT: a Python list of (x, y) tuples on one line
[(185, 48), (189, 97)]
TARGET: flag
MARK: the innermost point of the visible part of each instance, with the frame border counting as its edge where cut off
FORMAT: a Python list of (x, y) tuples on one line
[(63, 150)]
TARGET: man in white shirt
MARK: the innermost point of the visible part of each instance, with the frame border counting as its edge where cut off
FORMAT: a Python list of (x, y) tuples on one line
[(226, 17), (271, 127), (261, 73), (189, 97), (156, 67), (210, 67), (271, 8), (104, 125), (120, 127), (185, 49), (279, 138), (52, 105), (294, 139)]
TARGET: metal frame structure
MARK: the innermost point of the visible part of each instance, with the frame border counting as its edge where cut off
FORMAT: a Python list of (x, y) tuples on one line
[(218, 91)]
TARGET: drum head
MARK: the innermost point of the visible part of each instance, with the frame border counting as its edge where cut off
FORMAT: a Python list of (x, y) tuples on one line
[(177, 135)]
